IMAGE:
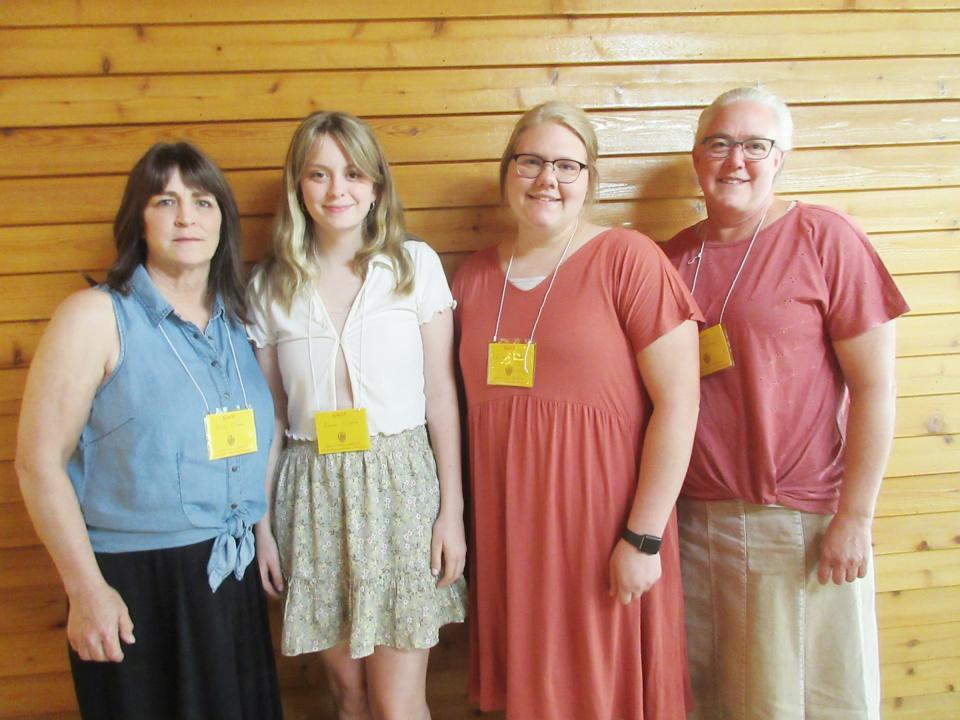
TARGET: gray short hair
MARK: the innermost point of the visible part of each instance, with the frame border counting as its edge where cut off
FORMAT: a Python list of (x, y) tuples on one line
[(757, 95)]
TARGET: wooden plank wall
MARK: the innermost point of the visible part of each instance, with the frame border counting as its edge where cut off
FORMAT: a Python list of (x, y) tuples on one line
[(87, 85)]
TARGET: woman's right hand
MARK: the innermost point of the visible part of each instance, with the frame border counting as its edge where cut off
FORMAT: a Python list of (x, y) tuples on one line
[(268, 558), (97, 621)]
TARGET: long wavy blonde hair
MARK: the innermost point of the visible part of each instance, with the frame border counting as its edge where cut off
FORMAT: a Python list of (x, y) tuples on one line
[(290, 267)]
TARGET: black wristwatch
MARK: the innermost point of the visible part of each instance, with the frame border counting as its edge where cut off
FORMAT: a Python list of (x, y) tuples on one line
[(647, 544)]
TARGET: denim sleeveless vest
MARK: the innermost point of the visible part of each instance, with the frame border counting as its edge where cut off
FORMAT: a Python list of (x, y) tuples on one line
[(140, 469)]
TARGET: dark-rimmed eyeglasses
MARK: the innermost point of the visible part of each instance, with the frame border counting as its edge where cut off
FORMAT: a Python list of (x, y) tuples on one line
[(564, 169), (720, 147)]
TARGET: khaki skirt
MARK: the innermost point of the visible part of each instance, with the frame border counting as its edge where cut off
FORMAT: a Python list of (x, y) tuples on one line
[(354, 533)]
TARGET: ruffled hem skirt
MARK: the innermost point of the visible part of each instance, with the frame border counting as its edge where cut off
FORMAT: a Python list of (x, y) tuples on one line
[(354, 532)]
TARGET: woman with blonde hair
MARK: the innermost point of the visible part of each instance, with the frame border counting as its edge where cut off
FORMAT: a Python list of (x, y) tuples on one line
[(353, 325), (579, 356)]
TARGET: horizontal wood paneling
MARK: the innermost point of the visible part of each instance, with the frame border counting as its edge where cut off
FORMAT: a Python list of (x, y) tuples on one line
[(26, 152), (923, 642), (900, 534), (72, 12), (92, 199), (912, 570), (924, 677), (928, 415), (874, 85), (923, 707), (928, 375), (913, 494), (466, 43), (261, 96), (925, 606)]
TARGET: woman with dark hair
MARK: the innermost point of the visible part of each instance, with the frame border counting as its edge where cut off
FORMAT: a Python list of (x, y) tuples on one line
[(141, 454)]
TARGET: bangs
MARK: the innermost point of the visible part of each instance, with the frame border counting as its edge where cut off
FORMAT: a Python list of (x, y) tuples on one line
[(195, 171)]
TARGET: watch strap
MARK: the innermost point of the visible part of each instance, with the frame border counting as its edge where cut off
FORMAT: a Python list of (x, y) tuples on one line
[(647, 544)]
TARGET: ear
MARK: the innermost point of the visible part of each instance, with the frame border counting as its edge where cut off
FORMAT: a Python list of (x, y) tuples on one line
[(778, 162)]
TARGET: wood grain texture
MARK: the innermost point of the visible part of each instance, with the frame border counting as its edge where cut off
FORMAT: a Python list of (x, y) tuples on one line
[(93, 150), (278, 46), (59, 102), (85, 12), (874, 85)]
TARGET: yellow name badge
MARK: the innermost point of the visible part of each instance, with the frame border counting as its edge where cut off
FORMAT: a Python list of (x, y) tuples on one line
[(511, 363), (715, 354), (342, 431), (230, 433)]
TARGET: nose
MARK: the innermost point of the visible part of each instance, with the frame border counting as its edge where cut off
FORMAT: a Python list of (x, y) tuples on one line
[(184, 215), (551, 177), (735, 156), (335, 186)]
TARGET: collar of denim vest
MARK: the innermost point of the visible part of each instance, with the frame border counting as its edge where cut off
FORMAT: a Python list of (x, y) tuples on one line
[(153, 302)]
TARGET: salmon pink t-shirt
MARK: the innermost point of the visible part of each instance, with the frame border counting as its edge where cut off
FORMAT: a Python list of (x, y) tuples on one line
[(772, 427)]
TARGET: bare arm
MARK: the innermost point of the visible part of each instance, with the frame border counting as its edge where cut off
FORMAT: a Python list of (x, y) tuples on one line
[(449, 547), (867, 362), (77, 352), (267, 555), (671, 375)]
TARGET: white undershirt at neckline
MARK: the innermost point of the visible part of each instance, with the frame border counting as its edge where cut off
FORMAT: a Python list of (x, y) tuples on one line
[(527, 283)]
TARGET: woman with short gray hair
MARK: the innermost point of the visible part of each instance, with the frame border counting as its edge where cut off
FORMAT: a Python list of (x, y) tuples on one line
[(796, 421)]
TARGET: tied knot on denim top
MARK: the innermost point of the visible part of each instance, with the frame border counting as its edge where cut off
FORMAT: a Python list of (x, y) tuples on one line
[(233, 549)]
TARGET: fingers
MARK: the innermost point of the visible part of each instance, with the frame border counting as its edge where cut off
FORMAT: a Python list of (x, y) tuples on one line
[(451, 564), (126, 628), (436, 557), (111, 648), (270, 577), (840, 572), (276, 577)]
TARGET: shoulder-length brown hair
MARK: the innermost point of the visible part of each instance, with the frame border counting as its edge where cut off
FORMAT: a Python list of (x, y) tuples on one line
[(148, 178)]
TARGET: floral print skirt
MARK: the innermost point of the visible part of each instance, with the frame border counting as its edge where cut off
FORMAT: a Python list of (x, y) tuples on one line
[(354, 532)]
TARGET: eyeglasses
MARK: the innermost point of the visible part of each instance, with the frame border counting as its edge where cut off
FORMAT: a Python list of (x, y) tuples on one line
[(720, 147), (564, 169)]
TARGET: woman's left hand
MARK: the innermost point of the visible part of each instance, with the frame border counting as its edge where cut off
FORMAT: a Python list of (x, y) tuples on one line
[(845, 550), (448, 550), (632, 573)]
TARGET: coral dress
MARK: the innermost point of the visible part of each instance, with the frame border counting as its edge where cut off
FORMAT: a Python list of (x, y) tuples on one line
[(553, 473)]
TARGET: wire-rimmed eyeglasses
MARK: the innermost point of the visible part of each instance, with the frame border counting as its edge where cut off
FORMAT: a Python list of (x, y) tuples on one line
[(720, 146), (564, 169)]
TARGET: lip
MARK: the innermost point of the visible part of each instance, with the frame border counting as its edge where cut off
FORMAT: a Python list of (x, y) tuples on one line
[(337, 208), (543, 198), (188, 239)]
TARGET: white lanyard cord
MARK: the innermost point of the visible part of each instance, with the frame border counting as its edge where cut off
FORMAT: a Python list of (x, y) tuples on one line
[(506, 279), (358, 401), (233, 353), (696, 273)]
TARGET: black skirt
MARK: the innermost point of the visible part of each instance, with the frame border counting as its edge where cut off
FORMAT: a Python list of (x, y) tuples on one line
[(198, 655)]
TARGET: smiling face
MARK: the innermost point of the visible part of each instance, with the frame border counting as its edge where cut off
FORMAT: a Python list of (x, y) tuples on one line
[(542, 202), (733, 186), (181, 226), (336, 193)]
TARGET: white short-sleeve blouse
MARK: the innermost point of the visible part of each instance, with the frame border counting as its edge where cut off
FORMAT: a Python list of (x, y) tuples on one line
[(381, 344)]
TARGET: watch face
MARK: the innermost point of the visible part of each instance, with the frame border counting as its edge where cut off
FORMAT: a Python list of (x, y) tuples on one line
[(647, 544)]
